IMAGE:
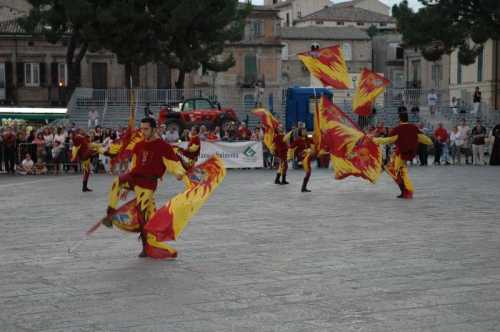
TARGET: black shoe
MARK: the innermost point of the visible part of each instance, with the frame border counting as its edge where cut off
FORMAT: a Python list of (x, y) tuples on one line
[(305, 190), (283, 180), (106, 221), (277, 179), (85, 189), (400, 196), (143, 254)]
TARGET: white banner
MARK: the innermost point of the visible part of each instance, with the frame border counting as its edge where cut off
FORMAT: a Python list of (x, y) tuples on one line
[(246, 154)]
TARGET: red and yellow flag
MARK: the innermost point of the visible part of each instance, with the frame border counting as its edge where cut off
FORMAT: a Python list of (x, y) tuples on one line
[(169, 221), (369, 86), (352, 152), (328, 65), (270, 126)]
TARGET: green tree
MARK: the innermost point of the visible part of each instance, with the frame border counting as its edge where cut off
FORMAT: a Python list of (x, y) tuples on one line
[(440, 27)]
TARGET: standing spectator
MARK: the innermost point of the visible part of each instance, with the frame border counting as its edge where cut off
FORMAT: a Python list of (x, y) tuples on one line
[(257, 135), (244, 134), (39, 146), (454, 147), (463, 141), (9, 142), (162, 131), (93, 118), (478, 142), (172, 135), (440, 139), (26, 166), (21, 147), (147, 111), (495, 151), (432, 100), (454, 105), (402, 109), (57, 154), (259, 94), (1, 150), (60, 136), (423, 154), (48, 138), (476, 101), (185, 135)]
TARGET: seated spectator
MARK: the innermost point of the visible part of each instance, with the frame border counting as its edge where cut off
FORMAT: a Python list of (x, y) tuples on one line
[(214, 135), (40, 146), (40, 168), (203, 133), (26, 166), (244, 134)]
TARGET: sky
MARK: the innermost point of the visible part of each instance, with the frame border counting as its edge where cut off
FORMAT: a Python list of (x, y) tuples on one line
[(413, 3)]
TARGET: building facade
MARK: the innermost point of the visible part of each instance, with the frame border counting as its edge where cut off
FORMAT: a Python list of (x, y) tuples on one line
[(360, 14), (291, 10), (388, 58)]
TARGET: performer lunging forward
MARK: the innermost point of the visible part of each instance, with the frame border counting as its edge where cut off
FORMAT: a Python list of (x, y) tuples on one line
[(406, 137), (151, 158)]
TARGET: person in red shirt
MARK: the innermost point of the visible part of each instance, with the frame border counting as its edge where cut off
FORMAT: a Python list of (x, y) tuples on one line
[(303, 148), (192, 152), (406, 137), (244, 134), (9, 142), (281, 150), (440, 140), (151, 159), (83, 150)]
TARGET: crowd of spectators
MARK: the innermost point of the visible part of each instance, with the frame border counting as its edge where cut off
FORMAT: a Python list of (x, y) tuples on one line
[(47, 149)]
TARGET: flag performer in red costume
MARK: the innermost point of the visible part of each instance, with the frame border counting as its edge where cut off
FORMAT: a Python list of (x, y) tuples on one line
[(304, 149), (84, 151), (406, 137), (152, 157)]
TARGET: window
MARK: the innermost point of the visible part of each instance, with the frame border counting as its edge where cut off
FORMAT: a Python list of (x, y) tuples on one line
[(284, 51), (347, 50), (415, 66), (62, 73), (459, 72), (319, 22), (203, 104), (257, 28), (287, 23), (32, 74), (383, 24), (436, 75), (250, 67), (360, 23), (480, 60), (2, 81), (340, 23), (299, 13)]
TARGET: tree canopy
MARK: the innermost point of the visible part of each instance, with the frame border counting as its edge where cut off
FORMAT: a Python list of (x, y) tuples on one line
[(442, 26), (184, 34)]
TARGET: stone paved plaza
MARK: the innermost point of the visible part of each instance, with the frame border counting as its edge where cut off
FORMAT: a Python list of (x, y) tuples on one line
[(259, 257)]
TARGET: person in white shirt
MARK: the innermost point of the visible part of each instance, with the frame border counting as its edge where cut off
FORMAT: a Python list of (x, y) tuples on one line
[(454, 148), (454, 105), (172, 135), (26, 166), (461, 141), (432, 100), (93, 118)]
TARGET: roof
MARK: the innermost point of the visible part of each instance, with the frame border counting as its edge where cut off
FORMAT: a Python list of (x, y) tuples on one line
[(352, 3), (350, 14), (323, 33), (11, 27)]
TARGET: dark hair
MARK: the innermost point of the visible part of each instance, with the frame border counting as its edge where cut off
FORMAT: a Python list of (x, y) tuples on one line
[(196, 128), (403, 117), (151, 122)]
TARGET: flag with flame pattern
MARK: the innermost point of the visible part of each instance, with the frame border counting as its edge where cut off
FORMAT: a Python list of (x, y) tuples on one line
[(328, 65), (352, 152), (369, 86)]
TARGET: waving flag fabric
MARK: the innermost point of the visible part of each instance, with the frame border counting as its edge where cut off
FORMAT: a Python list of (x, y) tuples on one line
[(270, 125), (328, 65), (369, 86), (169, 221), (351, 151)]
